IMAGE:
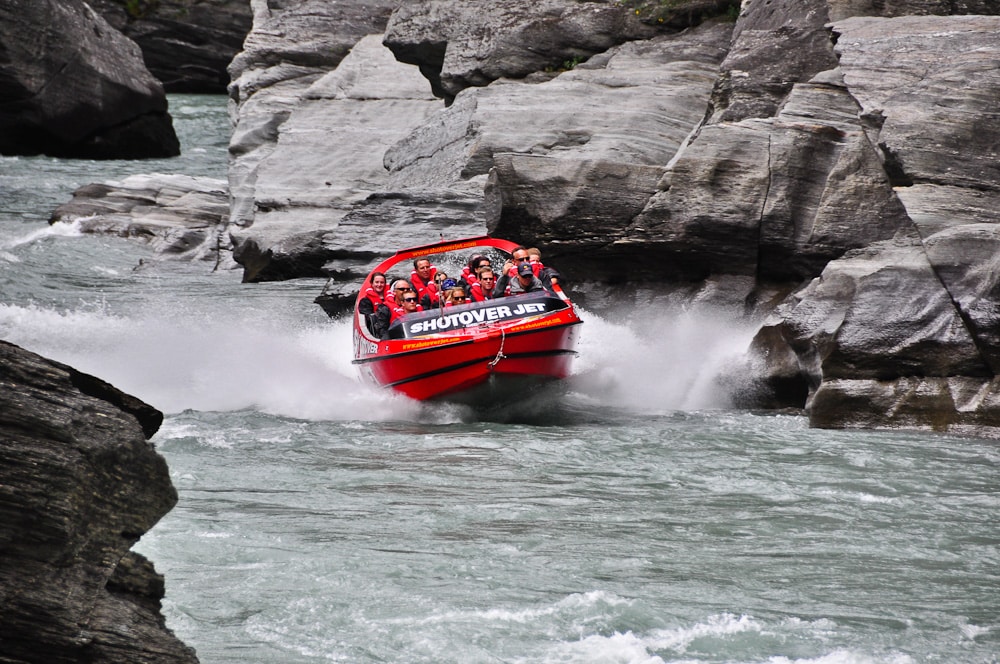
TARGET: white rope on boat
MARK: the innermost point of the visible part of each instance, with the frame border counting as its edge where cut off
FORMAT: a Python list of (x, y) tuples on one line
[(500, 355)]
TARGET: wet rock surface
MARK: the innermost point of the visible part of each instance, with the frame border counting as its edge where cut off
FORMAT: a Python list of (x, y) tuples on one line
[(79, 485)]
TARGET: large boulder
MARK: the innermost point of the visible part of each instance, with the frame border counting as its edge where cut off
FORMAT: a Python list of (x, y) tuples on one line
[(289, 49), (326, 158), (79, 484), (73, 86), (186, 44)]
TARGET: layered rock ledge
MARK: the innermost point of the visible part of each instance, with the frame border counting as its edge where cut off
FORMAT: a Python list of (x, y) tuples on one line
[(79, 485)]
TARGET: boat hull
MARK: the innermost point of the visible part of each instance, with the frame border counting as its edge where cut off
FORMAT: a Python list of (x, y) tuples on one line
[(424, 369)]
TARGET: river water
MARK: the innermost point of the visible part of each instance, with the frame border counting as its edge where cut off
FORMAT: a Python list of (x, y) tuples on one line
[(628, 517)]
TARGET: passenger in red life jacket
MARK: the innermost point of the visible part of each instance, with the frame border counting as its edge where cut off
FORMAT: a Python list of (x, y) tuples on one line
[(547, 275), (409, 305), (483, 289), (373, 306), (422, 279), (374, 295), (470, 273), (399, 287)]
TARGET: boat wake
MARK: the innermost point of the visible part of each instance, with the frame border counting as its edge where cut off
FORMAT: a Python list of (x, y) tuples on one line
[(218, 359)]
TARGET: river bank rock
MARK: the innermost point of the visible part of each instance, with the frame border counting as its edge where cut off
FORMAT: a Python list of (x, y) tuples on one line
[(73, 86), (903, 333), (79, 485), (179, 216), (186, 44)]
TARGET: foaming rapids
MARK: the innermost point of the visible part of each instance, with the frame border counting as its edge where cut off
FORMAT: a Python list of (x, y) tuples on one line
[(660, 361), (204, 358), (222, 360), (55, 230)]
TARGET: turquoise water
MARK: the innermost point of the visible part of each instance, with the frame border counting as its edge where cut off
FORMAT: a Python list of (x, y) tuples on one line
[(628, 516)]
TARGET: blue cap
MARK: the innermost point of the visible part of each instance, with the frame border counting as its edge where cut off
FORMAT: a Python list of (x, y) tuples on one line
[(447, 283), (524, 269)]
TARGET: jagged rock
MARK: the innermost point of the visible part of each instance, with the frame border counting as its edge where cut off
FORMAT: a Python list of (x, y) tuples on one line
[(79, 484), (300, 193), (179, 216), (186, 44), (73, 86), (572, 153), (288, 49), (776, 44), (885, 321), (472, 43), (910, 330)]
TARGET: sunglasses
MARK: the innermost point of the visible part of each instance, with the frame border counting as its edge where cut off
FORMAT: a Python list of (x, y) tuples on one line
[(409, 299), (522, 259), (402, 289), (458, 297), (488, 278)]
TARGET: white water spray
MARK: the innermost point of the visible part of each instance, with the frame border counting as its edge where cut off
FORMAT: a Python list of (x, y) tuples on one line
[(231, 359), (666, 360)]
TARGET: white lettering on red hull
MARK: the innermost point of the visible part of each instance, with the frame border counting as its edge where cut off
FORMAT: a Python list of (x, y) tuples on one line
[(474, 317)]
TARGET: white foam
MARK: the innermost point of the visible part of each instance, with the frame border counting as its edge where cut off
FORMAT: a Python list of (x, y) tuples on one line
[(223, 358), (54, 230), (660, 362), (178, 361)]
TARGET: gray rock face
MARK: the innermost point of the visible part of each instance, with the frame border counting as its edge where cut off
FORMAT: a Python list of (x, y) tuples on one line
[(288, 192), (74, 87), (458, 45), (79, 484), (186, 44), (904, 333)]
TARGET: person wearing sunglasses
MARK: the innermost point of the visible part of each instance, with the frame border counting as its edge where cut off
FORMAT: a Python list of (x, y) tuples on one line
[(483, 289), (408, 304), (399, 287), (508, 275), (457, 296)]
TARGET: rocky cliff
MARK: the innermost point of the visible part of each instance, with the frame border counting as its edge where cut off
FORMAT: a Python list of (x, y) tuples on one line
[(79, 484), (829, 165), (73, 86), (186, 44)]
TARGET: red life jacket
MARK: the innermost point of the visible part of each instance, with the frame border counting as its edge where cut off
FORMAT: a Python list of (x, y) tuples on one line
[(429, 289), (470, 276), (477, 294), (374, 297), (399, 312)]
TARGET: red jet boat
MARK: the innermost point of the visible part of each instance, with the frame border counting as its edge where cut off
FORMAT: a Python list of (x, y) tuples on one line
[(480, 352)]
